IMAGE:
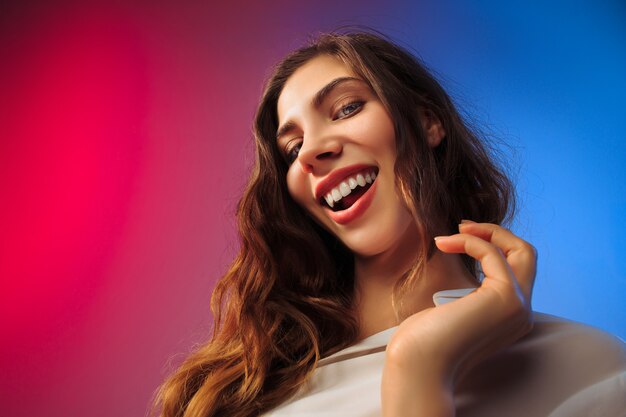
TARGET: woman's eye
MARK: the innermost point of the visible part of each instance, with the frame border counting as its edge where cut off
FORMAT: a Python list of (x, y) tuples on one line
[(292, 153), (348, 110)]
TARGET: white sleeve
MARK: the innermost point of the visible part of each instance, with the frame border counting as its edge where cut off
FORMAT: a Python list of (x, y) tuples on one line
[(606, 398)]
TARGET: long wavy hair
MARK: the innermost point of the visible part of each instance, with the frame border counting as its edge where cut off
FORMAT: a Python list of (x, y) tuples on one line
[(287, 299)]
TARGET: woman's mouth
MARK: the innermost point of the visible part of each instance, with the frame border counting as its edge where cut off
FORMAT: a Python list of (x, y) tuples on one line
[(348, 191)]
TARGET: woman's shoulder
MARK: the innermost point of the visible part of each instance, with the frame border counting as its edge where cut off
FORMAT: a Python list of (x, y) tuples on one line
[(558, 364), (575, 341)]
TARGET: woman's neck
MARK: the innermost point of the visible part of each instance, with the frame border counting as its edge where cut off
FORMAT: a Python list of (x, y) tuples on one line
[(375, 277)]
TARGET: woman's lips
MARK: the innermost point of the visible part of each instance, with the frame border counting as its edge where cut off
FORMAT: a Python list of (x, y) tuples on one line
[(355, 210), (337, 176)]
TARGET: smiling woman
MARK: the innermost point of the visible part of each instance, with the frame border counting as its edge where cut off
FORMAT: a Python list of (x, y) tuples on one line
[(356, 290), (345, 136)]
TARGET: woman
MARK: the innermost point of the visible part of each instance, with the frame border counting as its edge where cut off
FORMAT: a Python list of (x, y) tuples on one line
[(352, 229)]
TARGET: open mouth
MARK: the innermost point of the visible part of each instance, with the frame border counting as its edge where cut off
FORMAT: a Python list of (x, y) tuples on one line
[(348, 191)]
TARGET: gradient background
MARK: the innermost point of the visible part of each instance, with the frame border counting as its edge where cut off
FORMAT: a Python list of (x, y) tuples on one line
[(125, 143)]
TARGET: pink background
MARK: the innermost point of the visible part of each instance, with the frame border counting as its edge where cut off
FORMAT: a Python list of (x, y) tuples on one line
[(125, 141)]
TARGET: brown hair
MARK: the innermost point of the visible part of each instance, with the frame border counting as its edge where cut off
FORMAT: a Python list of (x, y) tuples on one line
[(287, 299)]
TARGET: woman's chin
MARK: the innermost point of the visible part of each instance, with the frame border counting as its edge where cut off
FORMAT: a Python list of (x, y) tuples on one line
[(383, 238)]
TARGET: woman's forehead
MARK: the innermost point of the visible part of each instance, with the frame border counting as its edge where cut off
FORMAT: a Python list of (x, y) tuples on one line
[(302, 86)]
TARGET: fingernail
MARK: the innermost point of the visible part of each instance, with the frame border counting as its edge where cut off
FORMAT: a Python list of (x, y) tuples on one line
[(440, 238), (464, 221)]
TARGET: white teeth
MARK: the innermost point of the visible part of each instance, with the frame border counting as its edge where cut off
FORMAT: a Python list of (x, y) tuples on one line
[(346, 187)]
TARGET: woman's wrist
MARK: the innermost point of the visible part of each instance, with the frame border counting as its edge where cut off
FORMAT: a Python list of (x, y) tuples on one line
[(415, 386)]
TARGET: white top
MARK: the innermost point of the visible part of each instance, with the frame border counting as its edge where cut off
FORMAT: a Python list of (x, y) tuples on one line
[(560, 369)]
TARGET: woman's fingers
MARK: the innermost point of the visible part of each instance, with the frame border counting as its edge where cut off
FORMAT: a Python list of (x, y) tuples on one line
[(519, 254), (505, 258), (493, 264)]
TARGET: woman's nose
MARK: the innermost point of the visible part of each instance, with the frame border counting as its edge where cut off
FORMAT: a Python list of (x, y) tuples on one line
[(318, 151)]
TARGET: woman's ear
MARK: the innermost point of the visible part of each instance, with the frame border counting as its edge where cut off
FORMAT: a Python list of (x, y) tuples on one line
[(432, 128)]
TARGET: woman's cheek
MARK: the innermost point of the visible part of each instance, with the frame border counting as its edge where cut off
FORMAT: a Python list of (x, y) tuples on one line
[(298, 186)]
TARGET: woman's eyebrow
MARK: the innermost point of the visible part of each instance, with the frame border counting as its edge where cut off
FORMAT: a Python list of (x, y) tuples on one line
[(328, 88), (285, 129), (317, 100)]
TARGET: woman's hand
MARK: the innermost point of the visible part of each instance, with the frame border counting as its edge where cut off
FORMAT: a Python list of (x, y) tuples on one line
[(432, 348)]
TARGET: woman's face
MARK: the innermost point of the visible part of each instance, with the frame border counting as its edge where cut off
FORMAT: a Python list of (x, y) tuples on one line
[(340, 143)]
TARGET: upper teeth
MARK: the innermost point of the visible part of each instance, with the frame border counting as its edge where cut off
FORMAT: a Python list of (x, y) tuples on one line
[(346, 186)]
